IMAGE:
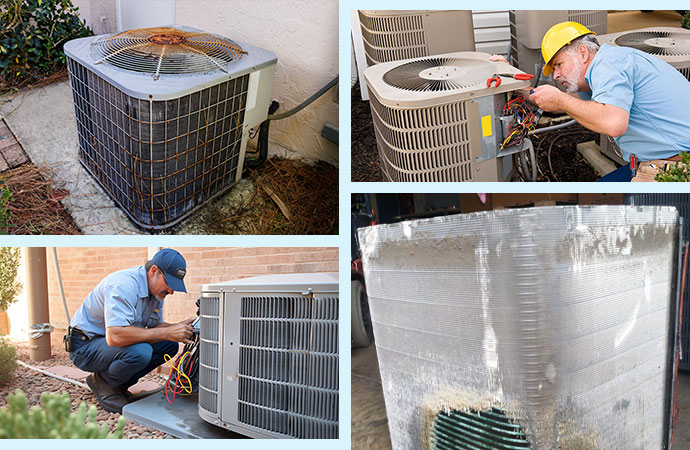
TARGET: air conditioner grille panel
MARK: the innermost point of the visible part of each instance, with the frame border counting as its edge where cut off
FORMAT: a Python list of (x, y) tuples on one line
[(289, 356), (159, 160), (594, 20), (209, 312), (549, 314), (488, 430), (166, 51), (659, 43), (464, 73), (392, 24), (424, 144)]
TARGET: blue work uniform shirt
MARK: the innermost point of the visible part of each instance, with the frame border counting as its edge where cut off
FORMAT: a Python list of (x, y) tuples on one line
[(653, 92), (121, 299)]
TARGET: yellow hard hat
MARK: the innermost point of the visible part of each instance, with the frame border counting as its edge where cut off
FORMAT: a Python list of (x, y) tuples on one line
[(556, 38)]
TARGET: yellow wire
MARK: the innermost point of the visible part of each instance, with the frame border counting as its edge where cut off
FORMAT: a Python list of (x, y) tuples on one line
[(167, 359)]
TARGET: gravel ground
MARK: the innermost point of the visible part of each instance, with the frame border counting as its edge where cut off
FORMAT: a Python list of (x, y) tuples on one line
[(34, 384)]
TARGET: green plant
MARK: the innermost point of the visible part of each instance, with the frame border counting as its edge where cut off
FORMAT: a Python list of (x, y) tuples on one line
[(9, 286), (8, 360), (685, 23), (31, 38), (53, 421), (679, 172), (5, 213)]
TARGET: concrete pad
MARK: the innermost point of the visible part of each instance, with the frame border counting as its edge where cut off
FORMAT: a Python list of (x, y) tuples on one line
[(43, 121), (143, 386), (68, 372), (369, 421), (590, 150)]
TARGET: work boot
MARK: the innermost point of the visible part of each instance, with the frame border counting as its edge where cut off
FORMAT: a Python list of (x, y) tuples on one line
[(134, 397), (110, 398)]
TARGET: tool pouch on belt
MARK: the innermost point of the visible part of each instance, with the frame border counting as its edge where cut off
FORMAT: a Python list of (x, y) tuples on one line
[(67, 340)]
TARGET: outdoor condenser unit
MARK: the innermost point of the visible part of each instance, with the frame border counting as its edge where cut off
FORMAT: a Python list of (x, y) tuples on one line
[(667, 43), (163, 116), (540, 328), (269, 356), (436, 120), (403, 34), (527, 29)]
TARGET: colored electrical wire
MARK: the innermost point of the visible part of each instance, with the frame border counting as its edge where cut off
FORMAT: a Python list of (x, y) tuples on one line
[(184, 372), (524, 121)]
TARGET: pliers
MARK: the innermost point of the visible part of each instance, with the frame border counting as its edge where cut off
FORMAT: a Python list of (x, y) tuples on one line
[(497, 78)]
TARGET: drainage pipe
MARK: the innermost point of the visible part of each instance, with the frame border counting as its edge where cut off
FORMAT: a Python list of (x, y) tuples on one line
[(553, 127), (50, 374), (62, 291), (253, 163), (37, 294), (305, 103)]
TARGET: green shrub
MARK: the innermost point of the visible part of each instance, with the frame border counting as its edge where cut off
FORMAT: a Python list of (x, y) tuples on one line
[(679, 172), (53, 421), (8, 360), (5, 198), (685, 23), (9, 286), (31, 38)]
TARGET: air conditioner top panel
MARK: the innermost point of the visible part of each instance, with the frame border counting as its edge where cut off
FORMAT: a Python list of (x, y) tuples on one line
[(325, 282), (401, 12), (168, 86), (433, 80), (667, 43)]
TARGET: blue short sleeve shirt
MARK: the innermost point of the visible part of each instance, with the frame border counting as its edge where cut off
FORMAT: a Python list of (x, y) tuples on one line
[(121, 299), (653, 92)]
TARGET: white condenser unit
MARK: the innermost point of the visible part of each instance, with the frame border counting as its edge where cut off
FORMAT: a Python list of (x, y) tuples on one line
[(403, 34), (540, 328), (163, 116), (436, 119), (527, 29), (666, 43), (269, 356)]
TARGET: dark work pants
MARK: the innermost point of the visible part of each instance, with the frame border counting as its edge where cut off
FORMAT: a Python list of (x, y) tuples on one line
[(120, 366), (623, 173)]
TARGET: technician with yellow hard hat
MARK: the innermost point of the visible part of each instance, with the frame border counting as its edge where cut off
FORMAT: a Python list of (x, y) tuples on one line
[(638, 99)]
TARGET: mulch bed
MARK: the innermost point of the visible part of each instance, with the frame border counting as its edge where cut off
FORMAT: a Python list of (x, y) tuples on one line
[(567, 163), (291, 196), (34, 384), (365, 155), (35, 206)]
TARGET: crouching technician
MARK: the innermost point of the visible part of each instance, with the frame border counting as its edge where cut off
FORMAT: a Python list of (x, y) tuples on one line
[(638, 99), (118, 333)]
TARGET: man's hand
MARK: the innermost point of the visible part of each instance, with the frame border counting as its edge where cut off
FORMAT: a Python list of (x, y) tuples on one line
[(181, 331), (498, 58), (548, 97)]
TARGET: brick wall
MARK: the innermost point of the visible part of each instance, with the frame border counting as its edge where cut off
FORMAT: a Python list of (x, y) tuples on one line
[(83, 268)]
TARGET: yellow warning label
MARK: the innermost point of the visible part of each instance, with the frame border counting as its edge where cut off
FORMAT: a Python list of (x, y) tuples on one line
[(486, 126)]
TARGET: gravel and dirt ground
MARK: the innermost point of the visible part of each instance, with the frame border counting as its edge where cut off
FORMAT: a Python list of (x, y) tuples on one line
[(567, 163), (34, 384)]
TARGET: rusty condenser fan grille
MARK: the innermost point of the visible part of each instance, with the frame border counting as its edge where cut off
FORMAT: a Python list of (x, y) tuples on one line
[(166, 51)]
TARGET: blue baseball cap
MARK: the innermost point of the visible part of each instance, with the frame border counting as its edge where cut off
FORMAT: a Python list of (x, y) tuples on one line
[(174, 268)]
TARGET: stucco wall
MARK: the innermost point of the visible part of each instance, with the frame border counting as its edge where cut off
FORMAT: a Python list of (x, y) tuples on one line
[(302, 33), (83, 268)]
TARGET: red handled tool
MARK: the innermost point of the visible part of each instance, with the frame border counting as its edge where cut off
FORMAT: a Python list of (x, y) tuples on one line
[(517, 76), (496, 78)]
